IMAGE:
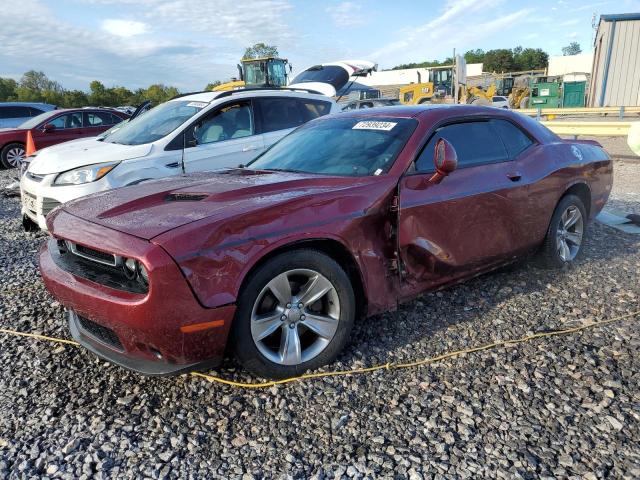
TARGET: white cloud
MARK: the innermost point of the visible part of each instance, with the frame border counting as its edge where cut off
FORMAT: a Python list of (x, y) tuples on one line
[(572, 34), (347, 14), (124, 28)]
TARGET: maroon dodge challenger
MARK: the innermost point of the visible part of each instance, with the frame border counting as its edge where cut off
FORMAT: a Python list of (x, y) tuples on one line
[(345, 217)]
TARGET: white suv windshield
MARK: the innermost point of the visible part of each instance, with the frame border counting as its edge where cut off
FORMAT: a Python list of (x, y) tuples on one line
[(156, 123)]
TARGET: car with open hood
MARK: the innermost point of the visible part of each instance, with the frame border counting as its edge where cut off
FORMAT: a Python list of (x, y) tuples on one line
[(190, 133), (345, 217)]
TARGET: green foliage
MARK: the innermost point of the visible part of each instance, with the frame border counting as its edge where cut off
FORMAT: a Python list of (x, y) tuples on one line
[(260, 50), (497, 60), (211, 86), (572, 49), (37, 87)]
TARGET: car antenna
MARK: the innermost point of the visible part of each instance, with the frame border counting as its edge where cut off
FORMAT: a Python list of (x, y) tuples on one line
[(184, 145)]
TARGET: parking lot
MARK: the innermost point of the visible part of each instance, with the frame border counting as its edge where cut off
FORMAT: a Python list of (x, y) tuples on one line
[(552, 407)]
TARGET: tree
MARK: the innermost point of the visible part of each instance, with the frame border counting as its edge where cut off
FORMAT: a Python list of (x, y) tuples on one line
[(572, 49), (260, 50), (499, 60), (531, 59), (7, 89), (474, 56)]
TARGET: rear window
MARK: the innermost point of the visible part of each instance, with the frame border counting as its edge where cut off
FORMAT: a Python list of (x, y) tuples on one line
[(332, 74), (15, 112), (515, 140)]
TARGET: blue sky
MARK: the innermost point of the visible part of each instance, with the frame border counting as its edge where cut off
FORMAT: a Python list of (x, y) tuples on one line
[(188, 43)]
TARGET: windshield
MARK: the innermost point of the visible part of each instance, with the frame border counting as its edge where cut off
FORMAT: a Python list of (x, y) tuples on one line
[(156, 123), (254, 73), (37, 120), (331, 74), (339, 146)]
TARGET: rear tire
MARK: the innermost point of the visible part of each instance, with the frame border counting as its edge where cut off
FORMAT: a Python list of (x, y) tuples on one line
[(11, 155), (270, 320), (565, 235)]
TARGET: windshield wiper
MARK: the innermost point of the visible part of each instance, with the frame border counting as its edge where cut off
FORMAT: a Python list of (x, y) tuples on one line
[(290, 170)]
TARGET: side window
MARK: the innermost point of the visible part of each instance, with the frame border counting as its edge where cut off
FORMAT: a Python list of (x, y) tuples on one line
[(16, 112), (98, 119), (34, 112), (476, 143), (70, 120), (280, 114), (514, 138), (231, 121), (4, 112), (366, 105), (315, 108)]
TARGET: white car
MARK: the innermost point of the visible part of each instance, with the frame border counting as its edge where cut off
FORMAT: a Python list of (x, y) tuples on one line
[(330, 78), (499, 101), (191, 133)]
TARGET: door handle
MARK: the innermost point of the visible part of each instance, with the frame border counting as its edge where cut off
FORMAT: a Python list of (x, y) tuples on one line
[(249, 148), (515, 176)]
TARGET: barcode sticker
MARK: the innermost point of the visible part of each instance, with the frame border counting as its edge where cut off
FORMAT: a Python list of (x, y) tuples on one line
[(197, 104), (370, 125)]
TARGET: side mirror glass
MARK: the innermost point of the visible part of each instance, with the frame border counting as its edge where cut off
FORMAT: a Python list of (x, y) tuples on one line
[(49, 127), (445, 160)]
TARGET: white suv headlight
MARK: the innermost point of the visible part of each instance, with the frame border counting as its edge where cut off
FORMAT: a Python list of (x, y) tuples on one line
[(87, 174)]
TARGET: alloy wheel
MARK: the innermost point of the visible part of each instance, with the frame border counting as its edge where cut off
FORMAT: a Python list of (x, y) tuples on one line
[(295, 317), (570, 233), (14, 156)]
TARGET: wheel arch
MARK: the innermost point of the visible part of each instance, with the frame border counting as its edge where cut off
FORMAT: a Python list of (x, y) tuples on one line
[(582, 191), (332, 248)]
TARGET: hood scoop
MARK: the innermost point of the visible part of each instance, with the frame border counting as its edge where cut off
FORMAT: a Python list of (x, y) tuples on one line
[(185, 197)]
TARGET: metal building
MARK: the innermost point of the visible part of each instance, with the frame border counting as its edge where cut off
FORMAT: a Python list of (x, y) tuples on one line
[(615, 79)]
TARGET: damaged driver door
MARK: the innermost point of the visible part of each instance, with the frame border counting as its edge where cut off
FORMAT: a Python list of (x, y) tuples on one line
[(460, 216)]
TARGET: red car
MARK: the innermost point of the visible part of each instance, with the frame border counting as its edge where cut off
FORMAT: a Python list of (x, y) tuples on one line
[(54, 127), (347, 216)]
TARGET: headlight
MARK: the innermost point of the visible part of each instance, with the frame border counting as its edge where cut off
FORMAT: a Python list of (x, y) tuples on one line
[(87, 174)]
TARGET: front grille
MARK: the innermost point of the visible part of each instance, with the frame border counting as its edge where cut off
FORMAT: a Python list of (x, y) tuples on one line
[(100, 332), (49, 204), (91, 254)]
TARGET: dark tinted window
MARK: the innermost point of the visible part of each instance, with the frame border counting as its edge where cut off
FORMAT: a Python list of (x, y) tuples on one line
[(231, 121), (15, 112), (35, 111), (514, 139), (475, 143), (332, 74), (314, 108), (280, 113), (71, 120), (98, 119)]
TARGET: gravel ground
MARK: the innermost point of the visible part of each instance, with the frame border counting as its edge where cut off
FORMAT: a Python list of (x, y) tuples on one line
[(557, 407)]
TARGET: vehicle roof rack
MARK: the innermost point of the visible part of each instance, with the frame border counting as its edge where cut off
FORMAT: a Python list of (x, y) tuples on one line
[(228, 93)]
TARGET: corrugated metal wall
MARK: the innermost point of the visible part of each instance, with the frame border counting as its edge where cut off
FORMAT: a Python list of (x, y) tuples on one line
[(623, 73)]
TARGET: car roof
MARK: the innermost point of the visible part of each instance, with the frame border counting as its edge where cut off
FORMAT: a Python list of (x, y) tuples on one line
[(27, 104), (248, 93)]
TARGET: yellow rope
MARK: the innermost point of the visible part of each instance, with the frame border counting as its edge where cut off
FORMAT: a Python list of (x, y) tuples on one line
[(386, 366)]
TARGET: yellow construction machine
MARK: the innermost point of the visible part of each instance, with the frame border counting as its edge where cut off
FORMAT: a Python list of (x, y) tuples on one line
[(438, 87), (257, 73)]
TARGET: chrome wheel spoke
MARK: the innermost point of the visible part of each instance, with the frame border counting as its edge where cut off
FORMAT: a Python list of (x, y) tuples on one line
[(572, 216), (322, 325), (290, 349), (566, 252), (263, 326), (281, 288), (574, 237), (316, 288)]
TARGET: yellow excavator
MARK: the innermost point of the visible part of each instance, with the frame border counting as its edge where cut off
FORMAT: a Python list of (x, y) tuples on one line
[(258, 73)]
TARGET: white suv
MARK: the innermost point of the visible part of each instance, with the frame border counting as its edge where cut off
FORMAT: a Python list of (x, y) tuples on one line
[(190, 133)]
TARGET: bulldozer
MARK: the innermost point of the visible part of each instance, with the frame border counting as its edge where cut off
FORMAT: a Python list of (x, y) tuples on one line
[(258, 73), (437, 88)]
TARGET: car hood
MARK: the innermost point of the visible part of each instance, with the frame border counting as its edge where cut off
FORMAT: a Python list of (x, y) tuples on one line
[(151, 208), (82, 152)]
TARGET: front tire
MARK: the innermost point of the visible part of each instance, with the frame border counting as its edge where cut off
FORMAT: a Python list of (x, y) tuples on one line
[(565, 235), (294, 314), (11, 155)]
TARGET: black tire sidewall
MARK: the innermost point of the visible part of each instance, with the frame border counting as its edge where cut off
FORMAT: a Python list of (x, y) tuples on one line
[(241, 340), (5, 151), (550, 256)]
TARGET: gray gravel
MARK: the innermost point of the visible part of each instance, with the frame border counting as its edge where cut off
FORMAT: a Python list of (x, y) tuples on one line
[(559, 407)]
